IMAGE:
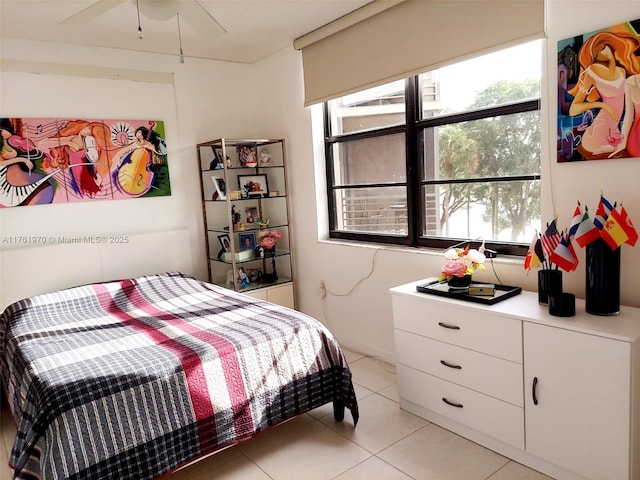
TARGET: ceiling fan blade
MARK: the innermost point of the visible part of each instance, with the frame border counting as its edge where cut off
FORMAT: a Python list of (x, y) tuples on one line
[(91, 12), (200, 19)]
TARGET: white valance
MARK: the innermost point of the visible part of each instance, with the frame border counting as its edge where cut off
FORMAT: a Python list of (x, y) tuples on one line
[(394, 39)]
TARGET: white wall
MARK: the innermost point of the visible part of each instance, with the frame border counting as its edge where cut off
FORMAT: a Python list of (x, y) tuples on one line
[(217, 99), (360, 276), (206, 100)]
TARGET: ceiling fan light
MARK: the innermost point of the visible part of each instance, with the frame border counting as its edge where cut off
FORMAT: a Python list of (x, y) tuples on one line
[(158, 9)]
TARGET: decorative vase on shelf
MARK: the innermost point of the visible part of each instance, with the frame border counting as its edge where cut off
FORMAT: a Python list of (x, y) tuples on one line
[(458, 282), (273, 276), (549, 283), (270, 252), (602, 288)]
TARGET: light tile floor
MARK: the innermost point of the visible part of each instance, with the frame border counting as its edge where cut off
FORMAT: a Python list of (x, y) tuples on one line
[(388, 444)]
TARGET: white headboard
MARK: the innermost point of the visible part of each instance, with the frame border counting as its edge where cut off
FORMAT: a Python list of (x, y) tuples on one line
[(64, 263)]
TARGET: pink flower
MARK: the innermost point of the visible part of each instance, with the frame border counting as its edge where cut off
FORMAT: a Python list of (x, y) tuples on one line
[(268, 242), (454, 269), (461, 262), (268, 238)]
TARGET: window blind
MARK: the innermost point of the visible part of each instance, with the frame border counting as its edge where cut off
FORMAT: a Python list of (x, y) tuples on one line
[(408, 38)]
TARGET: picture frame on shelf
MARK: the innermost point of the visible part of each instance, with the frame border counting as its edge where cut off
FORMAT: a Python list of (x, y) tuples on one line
[(251, 215), (225, 242), (221, 188), (247, 154), (247, 241), (265, 157), (218, 162), (254, 185)]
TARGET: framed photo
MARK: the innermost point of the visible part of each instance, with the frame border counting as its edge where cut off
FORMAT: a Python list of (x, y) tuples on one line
[(251, 214), (247, 154), (225, 242), (247, 241), (217, 163), (254, 185), (221, 188)]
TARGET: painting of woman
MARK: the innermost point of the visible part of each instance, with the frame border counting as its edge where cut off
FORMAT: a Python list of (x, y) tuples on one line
[(598, 98), (606, 60)]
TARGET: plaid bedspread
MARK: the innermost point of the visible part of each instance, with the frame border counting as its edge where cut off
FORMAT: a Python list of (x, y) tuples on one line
[(131, 379)]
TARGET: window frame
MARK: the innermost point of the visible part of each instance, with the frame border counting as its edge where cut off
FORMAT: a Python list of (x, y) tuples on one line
[(412, 129)]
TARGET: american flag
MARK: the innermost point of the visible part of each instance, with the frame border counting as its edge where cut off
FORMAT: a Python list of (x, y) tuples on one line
[(551, 238)]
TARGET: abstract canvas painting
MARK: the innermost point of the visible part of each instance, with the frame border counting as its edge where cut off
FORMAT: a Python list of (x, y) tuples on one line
[(599, 94), (53, 160)]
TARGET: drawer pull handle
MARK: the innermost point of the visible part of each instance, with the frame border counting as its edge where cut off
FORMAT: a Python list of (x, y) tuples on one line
[(533, 390), (450, 365), (457, 405), (446, 325)]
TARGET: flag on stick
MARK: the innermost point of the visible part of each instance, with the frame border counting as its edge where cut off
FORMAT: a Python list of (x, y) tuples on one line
[(563, 256), (575, 222), (613, 233), (551, 238), (587, 231), (602, 212), (628, 227), (535, 254)]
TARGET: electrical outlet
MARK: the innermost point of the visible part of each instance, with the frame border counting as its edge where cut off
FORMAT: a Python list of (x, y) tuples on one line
[(490, 253), (323, 288)]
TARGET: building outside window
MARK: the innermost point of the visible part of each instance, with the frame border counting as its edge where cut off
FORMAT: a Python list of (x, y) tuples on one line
[(447, 155)]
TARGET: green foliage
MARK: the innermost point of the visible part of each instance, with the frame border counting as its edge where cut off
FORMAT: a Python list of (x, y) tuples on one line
[(458, 158), (494, 147)]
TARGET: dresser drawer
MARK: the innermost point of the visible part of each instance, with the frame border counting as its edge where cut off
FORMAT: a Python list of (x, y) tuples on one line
[(493, 376), (466, 327), (480, 412)]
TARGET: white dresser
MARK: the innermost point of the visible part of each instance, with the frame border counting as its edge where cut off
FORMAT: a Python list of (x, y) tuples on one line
[(561, 395)]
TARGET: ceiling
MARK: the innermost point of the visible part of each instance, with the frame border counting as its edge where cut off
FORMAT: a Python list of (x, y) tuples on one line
[(232, 30)]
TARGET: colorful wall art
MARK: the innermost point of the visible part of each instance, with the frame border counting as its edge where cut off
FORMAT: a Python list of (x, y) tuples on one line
[(53, 160), (599, 94)]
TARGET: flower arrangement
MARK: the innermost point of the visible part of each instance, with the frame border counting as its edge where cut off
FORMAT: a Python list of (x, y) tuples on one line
[(268, 238), (461, 262)]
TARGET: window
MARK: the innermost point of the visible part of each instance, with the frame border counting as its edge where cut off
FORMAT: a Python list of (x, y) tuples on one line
[(448, 155)]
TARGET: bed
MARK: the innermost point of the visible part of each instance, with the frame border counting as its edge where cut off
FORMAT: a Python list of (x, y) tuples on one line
[(134, 378)]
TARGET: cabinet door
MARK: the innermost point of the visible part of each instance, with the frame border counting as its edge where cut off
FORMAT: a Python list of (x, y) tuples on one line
[(577, 401), (281, 295)]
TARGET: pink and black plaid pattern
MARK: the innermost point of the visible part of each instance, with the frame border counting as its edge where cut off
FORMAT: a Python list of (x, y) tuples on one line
[(131, 379)]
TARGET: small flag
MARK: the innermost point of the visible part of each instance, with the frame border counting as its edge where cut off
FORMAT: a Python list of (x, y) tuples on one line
[(535, 254), (551, 238), (628, 227), (575, 222), (613, 233), (587, 231), (563, 256), (602, 212), (573, 252)]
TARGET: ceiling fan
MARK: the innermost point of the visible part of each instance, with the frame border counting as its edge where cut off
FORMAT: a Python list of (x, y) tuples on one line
[(190, 10)]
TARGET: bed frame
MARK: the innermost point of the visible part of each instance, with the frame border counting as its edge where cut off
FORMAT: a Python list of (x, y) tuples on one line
[(69, 261)]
